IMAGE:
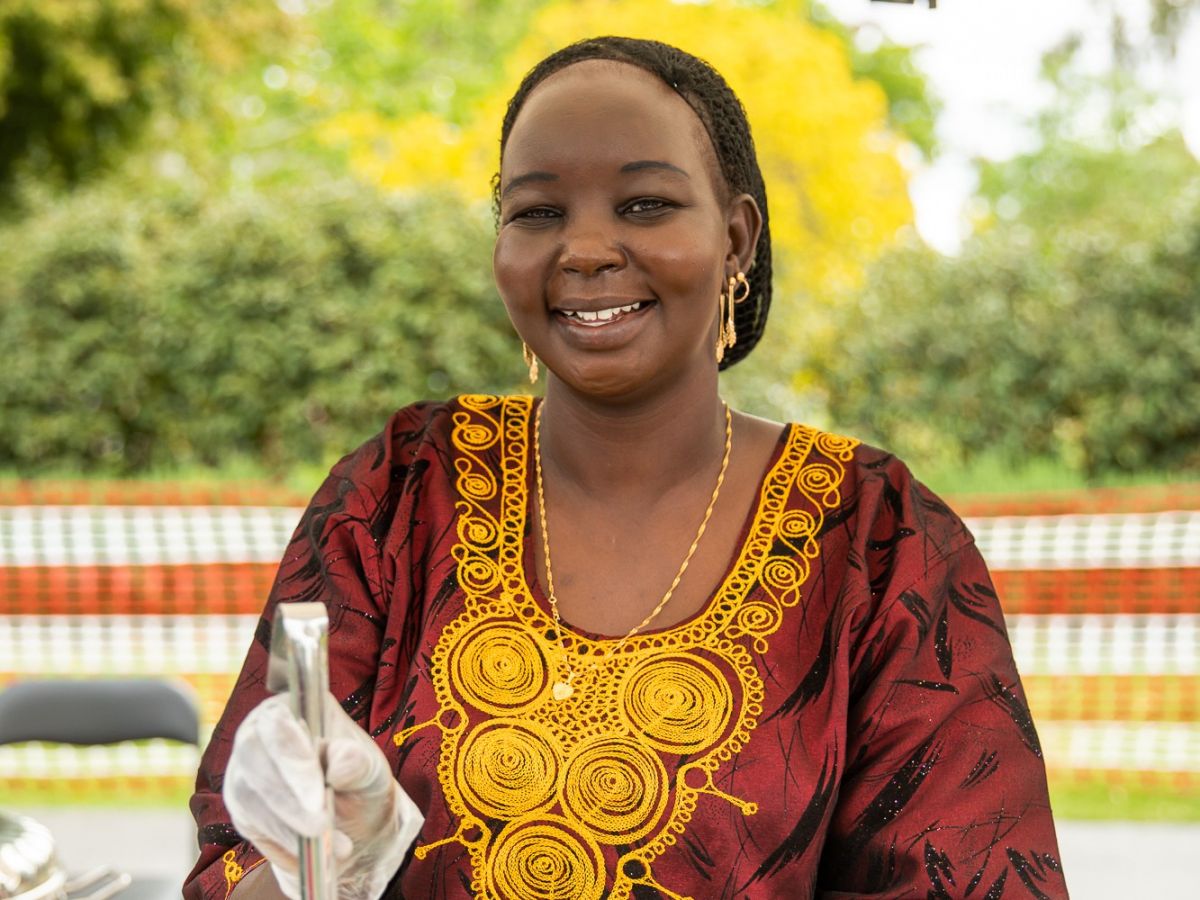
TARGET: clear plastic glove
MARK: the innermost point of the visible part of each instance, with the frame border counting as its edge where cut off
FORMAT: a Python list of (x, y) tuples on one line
[(275, 791)]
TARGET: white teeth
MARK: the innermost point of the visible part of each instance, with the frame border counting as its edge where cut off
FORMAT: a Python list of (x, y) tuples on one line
[(599, 316)]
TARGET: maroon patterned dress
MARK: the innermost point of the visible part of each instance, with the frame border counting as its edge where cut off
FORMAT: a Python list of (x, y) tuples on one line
[(841, 719)]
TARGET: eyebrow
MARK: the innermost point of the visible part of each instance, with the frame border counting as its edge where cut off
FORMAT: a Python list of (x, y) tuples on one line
[(637, 166), (642, 164), (526, 178)]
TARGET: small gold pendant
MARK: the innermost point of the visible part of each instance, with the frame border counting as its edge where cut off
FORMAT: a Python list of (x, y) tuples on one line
[(562, 690)]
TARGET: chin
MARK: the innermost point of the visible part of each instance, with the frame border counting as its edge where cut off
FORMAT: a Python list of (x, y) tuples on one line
[(615, 383), (605, 381)]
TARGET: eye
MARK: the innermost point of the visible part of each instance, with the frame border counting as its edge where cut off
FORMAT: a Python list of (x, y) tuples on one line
[(646, 207), (535, 215)]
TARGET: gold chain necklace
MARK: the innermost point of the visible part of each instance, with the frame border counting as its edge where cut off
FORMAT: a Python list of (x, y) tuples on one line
[(564, 689)]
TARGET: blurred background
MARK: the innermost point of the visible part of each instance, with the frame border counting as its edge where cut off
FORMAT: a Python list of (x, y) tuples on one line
[(236, 234)]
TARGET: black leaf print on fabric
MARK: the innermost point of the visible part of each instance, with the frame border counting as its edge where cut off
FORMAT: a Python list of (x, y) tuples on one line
[(881, 869), (971, 607), (865, 675), (465, 880), (814, 681), (882, 461), (930, 503), (345, 609), (221, 834), (984, 768), (798, 841), (978, 876), (358, 704), (996, 891), (941, 644), (1032, 870), (886, 548), (1006, 698), (262, 634), (410, 480), (379, 522), (894, 796), (698, 857), (938, 867), (893, 498), (944, 686), (838, 517), (919, 609), (854, 560)]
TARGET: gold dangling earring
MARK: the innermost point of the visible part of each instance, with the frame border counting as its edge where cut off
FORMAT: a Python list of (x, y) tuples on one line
[(730, 329), (738, 291), (739, 287), (531, 361), (721, 337)]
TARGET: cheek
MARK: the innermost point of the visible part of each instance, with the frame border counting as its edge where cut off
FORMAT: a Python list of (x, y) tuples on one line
[(512, 272), (686, 268)]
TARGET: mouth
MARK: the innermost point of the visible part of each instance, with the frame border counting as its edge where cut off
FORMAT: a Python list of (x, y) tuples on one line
[(598, 318)]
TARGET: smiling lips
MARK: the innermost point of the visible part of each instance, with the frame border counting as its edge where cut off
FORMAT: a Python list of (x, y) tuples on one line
[(594, 318)]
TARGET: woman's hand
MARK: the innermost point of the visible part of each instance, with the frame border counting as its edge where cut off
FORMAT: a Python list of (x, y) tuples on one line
[(275, 789)]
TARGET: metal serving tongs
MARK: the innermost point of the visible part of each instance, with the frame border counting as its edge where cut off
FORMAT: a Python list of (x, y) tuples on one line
[(299, 664)]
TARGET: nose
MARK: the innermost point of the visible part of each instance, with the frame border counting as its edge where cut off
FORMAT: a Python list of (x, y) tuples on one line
[(590, 248)]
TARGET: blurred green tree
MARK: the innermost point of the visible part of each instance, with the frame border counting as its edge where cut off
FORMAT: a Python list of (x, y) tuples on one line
[(1067, 325), (1066, 328), (278, 327), (80, 79)]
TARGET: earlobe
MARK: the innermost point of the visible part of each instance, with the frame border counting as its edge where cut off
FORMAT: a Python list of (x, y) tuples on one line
[(745, 226)]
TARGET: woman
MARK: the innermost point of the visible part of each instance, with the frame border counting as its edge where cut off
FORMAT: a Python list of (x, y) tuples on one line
[(625, 642)]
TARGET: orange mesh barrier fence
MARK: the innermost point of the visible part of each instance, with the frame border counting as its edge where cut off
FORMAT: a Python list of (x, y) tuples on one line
[(1101, 590)]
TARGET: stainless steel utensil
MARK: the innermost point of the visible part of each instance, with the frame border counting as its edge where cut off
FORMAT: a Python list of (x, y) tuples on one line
[(299, 664)]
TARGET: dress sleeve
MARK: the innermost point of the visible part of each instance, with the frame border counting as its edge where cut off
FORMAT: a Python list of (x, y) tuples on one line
[(341, 555), (944, 793)]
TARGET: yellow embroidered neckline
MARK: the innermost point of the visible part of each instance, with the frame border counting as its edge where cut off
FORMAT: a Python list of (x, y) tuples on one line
[(727, 588), (541, 787)]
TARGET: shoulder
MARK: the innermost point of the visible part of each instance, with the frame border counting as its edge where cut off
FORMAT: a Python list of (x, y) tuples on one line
[(416, 443), (896, 502), (895, 527)]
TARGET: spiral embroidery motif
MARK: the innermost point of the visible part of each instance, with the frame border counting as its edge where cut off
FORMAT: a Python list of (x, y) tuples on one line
[(678, 702), (508, 769), (546, 858), (577, 798), (499, 667), (607, 783)]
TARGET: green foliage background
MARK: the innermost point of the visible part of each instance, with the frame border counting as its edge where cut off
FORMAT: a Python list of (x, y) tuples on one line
[(185, 331), (1069, 333), (189, 276)]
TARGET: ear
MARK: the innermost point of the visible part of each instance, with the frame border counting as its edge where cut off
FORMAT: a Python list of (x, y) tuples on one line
[(744, 227)]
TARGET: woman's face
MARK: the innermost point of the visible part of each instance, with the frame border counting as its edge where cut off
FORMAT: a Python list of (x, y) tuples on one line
[(615, 233)]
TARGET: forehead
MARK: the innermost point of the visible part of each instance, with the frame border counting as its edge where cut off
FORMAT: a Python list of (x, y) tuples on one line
[(603, 111)]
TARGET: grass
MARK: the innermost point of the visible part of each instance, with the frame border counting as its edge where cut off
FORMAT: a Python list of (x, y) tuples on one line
[(166, 792), (984, 475), (303, 479), (1102, 801), (992, 475)]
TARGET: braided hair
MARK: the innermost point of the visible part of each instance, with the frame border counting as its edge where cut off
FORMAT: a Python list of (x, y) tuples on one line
[(724, 118)]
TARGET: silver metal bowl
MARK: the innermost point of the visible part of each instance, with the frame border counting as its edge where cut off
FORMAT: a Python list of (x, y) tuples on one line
[(29, 869)]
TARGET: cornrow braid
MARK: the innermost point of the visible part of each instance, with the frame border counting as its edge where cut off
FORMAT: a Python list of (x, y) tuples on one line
[(724, 118)]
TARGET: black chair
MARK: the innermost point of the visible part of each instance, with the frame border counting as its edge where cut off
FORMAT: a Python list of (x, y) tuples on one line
[(100, 711)]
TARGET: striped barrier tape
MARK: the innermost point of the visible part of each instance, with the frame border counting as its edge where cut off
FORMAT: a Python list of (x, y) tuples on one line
[(1103, 604)]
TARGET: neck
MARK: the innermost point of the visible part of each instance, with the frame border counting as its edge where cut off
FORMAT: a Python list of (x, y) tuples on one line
[(640, 447)]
